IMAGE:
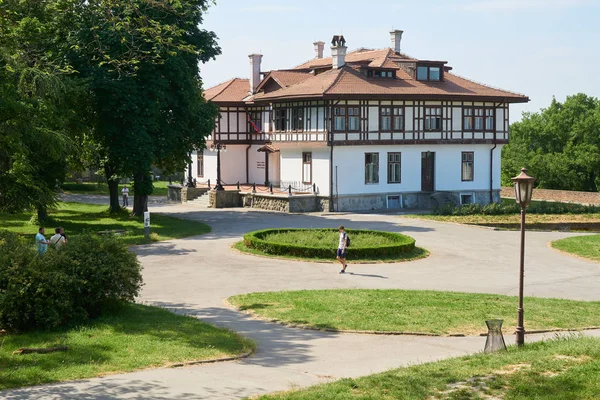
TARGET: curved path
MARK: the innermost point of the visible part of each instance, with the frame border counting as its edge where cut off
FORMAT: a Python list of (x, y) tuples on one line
[(195, 275)]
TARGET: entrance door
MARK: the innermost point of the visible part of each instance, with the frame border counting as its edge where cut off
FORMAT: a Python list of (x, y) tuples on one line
[(427, 169)]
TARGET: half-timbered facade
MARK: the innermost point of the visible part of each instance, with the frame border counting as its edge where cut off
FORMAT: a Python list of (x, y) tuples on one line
[(371, 129)]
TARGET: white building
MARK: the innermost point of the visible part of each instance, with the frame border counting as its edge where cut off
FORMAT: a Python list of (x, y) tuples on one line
[(370, 129)]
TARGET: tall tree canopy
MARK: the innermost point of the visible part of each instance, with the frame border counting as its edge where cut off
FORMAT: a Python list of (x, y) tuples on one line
[(142, 61), (560, 145), (38, 103)]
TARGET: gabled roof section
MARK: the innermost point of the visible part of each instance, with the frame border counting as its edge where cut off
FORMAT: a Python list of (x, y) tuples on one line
[(349, 81), (285, 78), (232, 91)]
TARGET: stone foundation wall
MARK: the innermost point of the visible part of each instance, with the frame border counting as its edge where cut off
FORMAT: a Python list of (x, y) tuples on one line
[(564, 196), (174, 193), (297, 203), (224, 199)]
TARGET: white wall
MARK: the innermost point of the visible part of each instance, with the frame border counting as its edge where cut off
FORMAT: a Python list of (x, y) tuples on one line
[(233, 165), (291, 166), (351, 170)]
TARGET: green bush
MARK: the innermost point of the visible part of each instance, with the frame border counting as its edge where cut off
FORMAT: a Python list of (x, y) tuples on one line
[(541, 207), (64, 286), (400, 244)]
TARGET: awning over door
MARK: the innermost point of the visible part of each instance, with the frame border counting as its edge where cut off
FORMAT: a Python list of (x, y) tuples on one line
[(267, 148)]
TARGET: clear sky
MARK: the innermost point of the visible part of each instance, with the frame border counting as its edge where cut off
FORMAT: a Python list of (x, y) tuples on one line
[(541, 48)]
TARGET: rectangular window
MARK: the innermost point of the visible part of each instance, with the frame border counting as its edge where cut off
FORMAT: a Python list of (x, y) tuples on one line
[(489, 119), (467, 166), (281, 119), (339, 119), (433, 118), (385, 118), (307, 168), (371, 168), (478, 125), (297, 119), (466, 198), (398, 121), (353, 118), (394, 167), (467, 119), (200, 166), (255, 121), (422, 73), (434, 73)]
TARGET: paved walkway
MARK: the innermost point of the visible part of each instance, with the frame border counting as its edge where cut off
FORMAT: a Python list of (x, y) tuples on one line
[(195, 275)]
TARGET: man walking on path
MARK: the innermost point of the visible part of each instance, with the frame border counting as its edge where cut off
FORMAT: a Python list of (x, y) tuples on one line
[(41, 242), (59, 240), (125, 193), (341, 251)]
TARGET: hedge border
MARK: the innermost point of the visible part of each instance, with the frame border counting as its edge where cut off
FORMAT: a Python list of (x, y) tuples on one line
[(404, 244)]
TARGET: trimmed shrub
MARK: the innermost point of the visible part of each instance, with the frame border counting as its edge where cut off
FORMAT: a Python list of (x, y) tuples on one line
[(65, 286), (541, 207), (401, 244)]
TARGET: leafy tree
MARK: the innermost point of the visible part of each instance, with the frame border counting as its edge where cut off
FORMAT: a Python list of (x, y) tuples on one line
[(38, 100), (560, 145), (141, 58)]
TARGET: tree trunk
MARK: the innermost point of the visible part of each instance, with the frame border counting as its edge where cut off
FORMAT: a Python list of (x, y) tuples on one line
[(42, 214), (113, 190), (142, 187)]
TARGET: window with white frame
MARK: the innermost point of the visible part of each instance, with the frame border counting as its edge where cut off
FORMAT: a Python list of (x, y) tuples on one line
[(467, 166), (398, 120), (489, 119), (371, 168), (339, 119), (394, 167), (385, 118), (433, 118), (307, 168), (353, 118), (200, 165)]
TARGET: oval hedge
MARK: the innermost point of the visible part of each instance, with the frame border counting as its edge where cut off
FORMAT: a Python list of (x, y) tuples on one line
[(401, 245)]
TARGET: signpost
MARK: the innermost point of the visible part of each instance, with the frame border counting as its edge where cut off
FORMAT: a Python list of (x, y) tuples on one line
[(147, 224)]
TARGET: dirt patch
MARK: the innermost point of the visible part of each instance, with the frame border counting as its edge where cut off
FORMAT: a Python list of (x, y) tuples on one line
[(563, 196)]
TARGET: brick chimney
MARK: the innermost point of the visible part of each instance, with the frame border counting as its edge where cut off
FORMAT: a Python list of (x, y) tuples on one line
[(338, 51), (319, 46), (255, 60), (396, 38)]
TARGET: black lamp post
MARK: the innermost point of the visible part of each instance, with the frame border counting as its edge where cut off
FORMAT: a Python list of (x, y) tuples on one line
[(218, 147), (190, 180), (523, 193)]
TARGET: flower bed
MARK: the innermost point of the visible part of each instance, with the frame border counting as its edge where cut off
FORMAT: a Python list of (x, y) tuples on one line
[(322, 243)]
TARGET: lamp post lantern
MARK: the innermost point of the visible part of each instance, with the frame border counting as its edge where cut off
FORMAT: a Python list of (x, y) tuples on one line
[(190, 180), (523, 192), (218, 147)]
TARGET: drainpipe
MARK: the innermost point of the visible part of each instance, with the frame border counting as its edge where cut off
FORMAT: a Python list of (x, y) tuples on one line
[(247, 163), (492, 157), (328, 129)]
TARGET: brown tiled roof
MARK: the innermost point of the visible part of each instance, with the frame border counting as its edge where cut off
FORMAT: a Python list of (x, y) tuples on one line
[(268, 148), (285, 78), (356, 56), (348, 81), (233, 91)]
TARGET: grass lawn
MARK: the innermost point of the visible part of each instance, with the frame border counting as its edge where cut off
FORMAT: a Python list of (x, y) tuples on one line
[(416, 254), (160, 188), (77, 218), (561, 369), (583, 246), (415, 311), (133, 337)]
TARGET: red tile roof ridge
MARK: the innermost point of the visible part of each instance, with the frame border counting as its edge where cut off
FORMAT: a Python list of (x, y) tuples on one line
[(344, 70), (486, 85)]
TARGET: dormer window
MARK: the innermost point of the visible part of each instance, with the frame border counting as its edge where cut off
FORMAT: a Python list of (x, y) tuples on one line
[(429, 73), (376, 73)]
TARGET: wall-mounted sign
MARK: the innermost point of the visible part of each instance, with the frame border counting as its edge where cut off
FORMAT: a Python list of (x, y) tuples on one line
[(260, 164)]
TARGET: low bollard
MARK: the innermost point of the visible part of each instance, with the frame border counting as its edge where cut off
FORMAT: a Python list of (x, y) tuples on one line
[(254, 187), (209, 184), (495, 340)]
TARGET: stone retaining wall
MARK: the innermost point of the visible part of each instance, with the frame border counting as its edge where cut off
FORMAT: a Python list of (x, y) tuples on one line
[(296, 203), (224, 199), (563, 196), (183, 193)]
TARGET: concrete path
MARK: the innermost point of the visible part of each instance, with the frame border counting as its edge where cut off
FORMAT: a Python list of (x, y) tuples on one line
[(195, 275)]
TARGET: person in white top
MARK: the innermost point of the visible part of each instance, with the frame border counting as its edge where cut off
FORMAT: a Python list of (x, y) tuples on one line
[(341, 251), (59, 240), (125, 193)]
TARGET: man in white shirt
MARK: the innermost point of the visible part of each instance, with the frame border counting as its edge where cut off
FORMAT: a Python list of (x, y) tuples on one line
[(59, 239), (341, 251), (125, 193)]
